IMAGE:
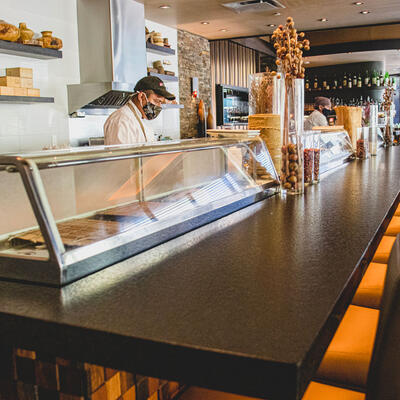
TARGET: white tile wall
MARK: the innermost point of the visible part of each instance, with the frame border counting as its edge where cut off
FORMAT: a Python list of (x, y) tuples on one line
[(167, 124), (30, 127)]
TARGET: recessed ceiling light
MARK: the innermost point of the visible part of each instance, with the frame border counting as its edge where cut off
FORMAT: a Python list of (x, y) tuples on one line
[(165, 6), (271, 25), (365, 12), (223, 30), (323, 19), (349, 52), (205, 23), (306, 62), (358, 3), (277, 14)]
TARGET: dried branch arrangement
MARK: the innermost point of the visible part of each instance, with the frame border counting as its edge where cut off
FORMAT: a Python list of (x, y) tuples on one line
[(387, 105), (261, 92), (289, 45)]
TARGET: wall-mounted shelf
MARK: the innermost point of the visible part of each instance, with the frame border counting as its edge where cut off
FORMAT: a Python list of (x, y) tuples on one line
[(25, 99), (166, 78), (347, 90), (165, 51), (172, 106), (25, 50)]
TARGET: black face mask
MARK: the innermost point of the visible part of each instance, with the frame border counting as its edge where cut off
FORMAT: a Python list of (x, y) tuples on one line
[(326, 112), (151, 110)]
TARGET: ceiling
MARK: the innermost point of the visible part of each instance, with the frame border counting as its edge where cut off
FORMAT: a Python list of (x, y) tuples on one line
[(391, 59), (188, 15)]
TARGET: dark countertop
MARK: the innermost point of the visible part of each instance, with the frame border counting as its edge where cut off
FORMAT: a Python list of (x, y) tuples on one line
[(246, 304)]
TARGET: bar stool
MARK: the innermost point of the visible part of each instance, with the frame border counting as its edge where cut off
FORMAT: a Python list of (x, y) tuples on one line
[(394, 226), (383, 251), (370, 289), (380, 376)]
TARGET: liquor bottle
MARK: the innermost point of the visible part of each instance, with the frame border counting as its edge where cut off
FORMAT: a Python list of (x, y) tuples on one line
[(349, 82), (366, 79), (373, 78), (307, 84), (359, 81), (355, 80), (315, 82), (344, 81), (387, 78), (328, 85), (378, 80), (324, 83), (335, 82), (381, 79)]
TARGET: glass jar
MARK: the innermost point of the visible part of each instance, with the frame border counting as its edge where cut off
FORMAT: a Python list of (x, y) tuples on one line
[(372, 140), (362, 145), (292, 173)]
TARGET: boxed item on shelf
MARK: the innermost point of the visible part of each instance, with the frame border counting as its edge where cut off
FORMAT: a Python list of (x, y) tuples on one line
[(10, 81), (20, 91), (33, 92), (27, 83), (20, 72), (6, 91)]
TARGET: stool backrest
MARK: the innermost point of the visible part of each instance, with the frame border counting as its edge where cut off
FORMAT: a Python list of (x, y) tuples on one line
[(384, 373)]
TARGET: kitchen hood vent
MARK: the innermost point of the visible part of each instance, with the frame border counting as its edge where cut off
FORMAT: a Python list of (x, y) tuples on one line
[(254, 5), (112, 55)]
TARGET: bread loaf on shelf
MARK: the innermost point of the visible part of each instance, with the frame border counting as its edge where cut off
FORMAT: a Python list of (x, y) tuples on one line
[(8, 31)]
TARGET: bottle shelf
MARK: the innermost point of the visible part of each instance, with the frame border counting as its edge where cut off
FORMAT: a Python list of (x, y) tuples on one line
[(347, 90), (26, 50)]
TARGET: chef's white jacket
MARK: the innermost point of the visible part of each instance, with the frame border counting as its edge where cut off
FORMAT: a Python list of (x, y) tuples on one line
[(123, 127)]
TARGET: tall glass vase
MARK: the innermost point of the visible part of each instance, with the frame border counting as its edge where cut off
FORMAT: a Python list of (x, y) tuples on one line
[(292, 171)]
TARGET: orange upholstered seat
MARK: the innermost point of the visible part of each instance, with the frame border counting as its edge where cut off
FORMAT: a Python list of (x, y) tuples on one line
[(383, 251), (318, 391), (397, 212), (369, 292), (196, 393), (349, 354), (394, 227), (315, 391)]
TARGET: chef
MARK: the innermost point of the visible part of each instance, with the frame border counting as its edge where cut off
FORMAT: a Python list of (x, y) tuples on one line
[(129, 124), (319, 117)]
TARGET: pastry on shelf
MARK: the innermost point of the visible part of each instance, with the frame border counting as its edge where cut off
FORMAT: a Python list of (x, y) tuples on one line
[(25, 34), (8, 31), (49, 41)]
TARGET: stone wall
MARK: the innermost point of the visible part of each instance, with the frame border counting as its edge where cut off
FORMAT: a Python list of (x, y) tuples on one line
[(193, 61)]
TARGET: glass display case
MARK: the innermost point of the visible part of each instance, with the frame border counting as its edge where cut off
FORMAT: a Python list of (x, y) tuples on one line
[(335, 149), (68, 213)]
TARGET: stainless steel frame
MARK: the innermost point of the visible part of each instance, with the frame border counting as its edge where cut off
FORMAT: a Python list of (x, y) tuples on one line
[(63, 266)]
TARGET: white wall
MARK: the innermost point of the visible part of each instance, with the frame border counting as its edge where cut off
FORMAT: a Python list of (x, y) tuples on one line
[(167, 124), (30, 127)]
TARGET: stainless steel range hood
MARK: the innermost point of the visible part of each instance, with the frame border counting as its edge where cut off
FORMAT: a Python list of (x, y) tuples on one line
[(112, 54)]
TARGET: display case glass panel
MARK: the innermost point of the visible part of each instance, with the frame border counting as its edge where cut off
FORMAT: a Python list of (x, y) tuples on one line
[(95, 207), (335, 149)]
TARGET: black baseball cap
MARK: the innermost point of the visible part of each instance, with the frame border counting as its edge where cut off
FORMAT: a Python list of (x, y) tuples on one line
[(155, 84)]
